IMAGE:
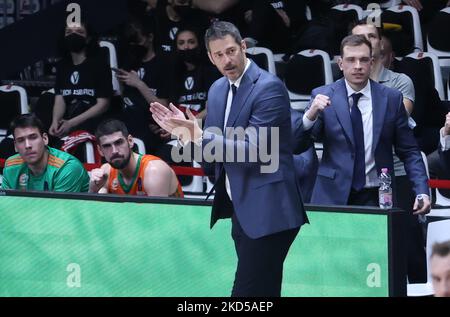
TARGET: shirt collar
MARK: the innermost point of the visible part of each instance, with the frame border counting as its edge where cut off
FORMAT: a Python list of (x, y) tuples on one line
[(385, 75), (366, 91), (238, 81)]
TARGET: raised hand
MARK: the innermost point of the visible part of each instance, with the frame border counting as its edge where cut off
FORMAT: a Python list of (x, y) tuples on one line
[(129, 78), (423, 207), (97, 180), (173, 121), (318, 105)]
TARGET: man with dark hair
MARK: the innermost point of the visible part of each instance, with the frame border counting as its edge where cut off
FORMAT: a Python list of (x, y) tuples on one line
[(359, 121), (405, 194), (378, 72), (440, 269), (249, 98), (38, 166), (129, 173)]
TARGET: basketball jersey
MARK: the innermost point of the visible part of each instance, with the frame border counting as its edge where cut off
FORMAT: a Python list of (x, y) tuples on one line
[(116, 185)]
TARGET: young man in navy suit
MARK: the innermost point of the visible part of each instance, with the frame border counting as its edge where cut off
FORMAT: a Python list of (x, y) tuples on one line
[(358, 121), (263, 200)]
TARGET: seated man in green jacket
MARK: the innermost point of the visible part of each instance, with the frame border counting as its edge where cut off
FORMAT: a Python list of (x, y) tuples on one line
[(38, 166)]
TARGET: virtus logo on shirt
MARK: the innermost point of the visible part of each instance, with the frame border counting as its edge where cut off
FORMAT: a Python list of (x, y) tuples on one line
[(141, 73), (189, 83), (75, 77), (173, 32)]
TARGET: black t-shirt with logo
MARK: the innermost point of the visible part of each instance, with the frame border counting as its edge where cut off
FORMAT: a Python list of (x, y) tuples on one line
[(136, 108), (167, 29), (152, 74), (189, 89), (81, 85)]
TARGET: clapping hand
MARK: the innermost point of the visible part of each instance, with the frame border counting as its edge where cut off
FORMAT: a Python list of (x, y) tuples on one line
[(174, 121)]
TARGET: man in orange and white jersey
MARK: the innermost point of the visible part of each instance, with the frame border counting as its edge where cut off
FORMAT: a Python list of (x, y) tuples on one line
[(126, 172)]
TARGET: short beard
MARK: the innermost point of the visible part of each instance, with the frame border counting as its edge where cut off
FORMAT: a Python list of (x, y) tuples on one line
[(121, 164)]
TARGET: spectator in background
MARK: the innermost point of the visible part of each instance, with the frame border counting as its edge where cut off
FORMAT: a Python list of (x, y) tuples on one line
[(192, 75), (212, 6), (126, 172), (387, 53), (427, 11), (144, 81), (286, 18), (379, 72), (429, 110), (326, 28), (427, 8), (440, 269), (444, 150), (170, 15), (83, 83), (38, 166), (439, 161)]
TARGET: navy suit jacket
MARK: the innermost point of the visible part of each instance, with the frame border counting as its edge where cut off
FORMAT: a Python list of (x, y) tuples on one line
[(334, 128), (264, 203), (305, 163)]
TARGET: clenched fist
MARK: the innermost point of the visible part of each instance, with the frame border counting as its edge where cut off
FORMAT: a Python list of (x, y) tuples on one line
[(98, 180), (318, 105)]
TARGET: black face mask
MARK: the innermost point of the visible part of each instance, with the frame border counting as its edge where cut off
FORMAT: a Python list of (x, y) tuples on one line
[(137, 51), (136, 54), (182, 11), (75, 43), (191, 56)]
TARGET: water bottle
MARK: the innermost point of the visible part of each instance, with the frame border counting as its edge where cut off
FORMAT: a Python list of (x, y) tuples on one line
[(385, 190), (421, 218)]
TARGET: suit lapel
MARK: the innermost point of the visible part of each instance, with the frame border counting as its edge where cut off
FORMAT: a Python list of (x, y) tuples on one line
[(341, 106), (379, 106), (243, 92)]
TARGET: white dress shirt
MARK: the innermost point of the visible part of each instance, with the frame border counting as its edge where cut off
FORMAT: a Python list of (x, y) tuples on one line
[(365, 106), (227, 113)]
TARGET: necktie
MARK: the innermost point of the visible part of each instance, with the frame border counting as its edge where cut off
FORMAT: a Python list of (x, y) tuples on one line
[(233, 92), (359, 170), (228, 108), (227, 113)]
